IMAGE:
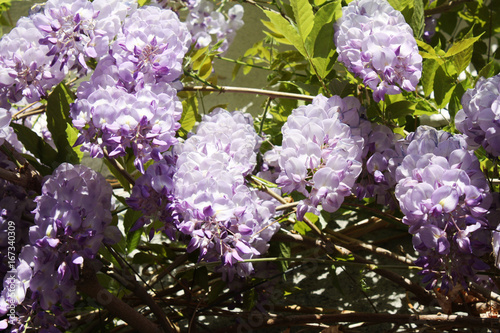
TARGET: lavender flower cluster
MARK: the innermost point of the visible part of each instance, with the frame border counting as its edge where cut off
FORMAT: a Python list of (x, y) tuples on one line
[(225, 218), (320, 157), (209, 26), (130, 100), (200, 191), (445, 198), (72, 221), (76, 31), (382, 154), (479, 119), (153, 195), (374, 42)]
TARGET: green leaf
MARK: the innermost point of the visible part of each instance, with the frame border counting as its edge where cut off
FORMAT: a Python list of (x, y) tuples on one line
[(443, 87), (190, 113), (285, 252), (417, 21), (424, 107), (200, 277), (59, 124), (461, 46), (319, 42), (287, 30), (487, 71), (129, 219), (36, 145), (428, 73), (301, 227), (133, 240), (400, 109), (304, 17)]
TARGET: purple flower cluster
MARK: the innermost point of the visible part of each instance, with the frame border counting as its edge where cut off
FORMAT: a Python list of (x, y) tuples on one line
[(209, 26), (479, 119), (374, 42), (76, 31), (130, 100), (15, 219), (445, 198), (320, 157), (381, 156), (226, 219), (25, 70), (72, 221), (153, 195)]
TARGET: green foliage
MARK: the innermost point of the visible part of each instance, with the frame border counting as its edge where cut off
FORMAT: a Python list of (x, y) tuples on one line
[(60, 126)]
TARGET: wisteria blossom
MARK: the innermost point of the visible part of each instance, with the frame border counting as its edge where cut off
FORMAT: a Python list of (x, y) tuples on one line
[(130, 101), (76, 31), (153, 195), (209, 26), (72, 221), (445, 198), (375, 43), (25, 70), (479, 119), (320, 157), (225, 218)]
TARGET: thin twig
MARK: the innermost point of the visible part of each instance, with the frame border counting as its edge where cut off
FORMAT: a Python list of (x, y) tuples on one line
[(119, 167), (89, 285), (253, 91), (445, 7)]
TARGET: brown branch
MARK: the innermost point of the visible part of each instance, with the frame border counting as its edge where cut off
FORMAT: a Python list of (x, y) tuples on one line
[(131, 283), (445, 7), (427, 319), (89, 285), (27, 177), (253, 91)]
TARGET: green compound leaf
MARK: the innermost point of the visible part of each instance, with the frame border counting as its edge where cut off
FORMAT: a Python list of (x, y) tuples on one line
[(284, 28), (319, 43), (59, 125), (36, 145), (443, 87), (189, 114), (304, 16)]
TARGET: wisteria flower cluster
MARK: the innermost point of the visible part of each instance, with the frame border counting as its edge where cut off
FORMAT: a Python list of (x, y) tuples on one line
[(72, 221), (445, 198), (25, 70), (76, 31), (209, 26), (225, 218), (479, 119), (320, 157), (382, 154), (374, 42), (153, 195), (130, 100)]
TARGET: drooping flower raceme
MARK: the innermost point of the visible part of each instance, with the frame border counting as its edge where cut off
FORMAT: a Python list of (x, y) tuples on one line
[(151, 47), (131, 99), (25, 70), (72, 221), (153, 195), (445, 198), (479, 119), (225, 218), (114, 119), (76, 31), (15, 215), (209, 26), (381, 156), (320, 157), (374, 42)]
